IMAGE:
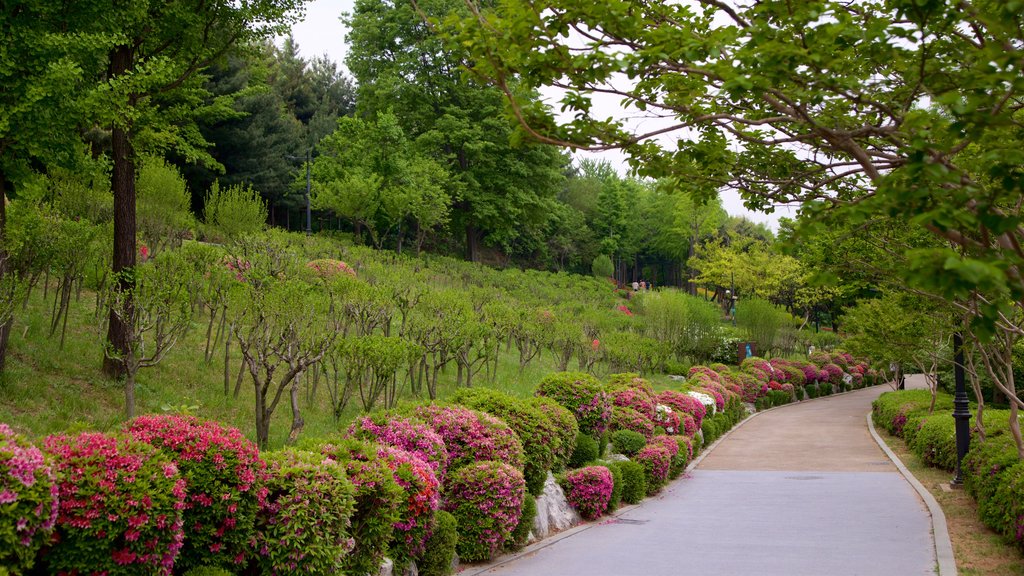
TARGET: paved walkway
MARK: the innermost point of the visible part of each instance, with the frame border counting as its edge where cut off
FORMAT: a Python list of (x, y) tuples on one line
[(802, 490)]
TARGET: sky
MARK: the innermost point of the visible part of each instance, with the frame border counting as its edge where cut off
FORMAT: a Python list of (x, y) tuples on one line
[(321, 32)]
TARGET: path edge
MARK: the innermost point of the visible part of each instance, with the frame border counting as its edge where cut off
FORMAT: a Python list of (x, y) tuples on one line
[(944, 557)]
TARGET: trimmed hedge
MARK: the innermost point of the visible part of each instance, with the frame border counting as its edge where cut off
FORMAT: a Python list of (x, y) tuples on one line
[(587, 449), (634, 481), (517, 539), (436, 559), (628, 442)]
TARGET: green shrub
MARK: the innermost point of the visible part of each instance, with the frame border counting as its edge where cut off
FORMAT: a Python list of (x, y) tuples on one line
[(714, 427), (682, 458), (207, 571), (626, 418), (486, 499), (377, 501), (891, 409), (935, 441), (634, 481), (163, 204), (628, 442), (234, 211), (994, 475), (602, 266), (761, 321), (779, 397), (533, 427), (563, 441), (582, 395), (616, 497), (436, 559), (303, 526), (517, 539), (586, 450)]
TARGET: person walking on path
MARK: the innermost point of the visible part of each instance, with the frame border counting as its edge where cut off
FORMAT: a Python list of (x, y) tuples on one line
[(801, 490)]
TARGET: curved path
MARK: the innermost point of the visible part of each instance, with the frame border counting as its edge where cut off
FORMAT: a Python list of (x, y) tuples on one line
[(800, 490)]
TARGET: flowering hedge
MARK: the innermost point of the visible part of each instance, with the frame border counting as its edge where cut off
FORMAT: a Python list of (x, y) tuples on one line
[(533, 427), (328, 268), (624, 418), (409, 434), (679, 457), (223, 476), (563, 440), (588, 490), (486, 498), (684, 403), (582, 395), (422, 498), (668, 418), (709, 402), (472, 436), (121, 505), (656, 460), (302, 527), (636, 399), (28, 501), (378, 499)]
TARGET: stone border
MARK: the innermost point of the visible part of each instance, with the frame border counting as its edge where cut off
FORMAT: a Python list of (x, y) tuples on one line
[(482, 568), (944, 559)]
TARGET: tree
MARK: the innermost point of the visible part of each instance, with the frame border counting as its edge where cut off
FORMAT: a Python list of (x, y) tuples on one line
[(153, 93)]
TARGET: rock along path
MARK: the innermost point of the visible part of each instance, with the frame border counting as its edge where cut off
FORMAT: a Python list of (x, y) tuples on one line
[(800, 490)]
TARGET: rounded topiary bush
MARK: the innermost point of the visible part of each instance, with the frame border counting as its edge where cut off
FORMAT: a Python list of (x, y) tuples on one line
[(378, 500), (120, 506), (656, 460), (632, 392), (625, 418), (437, 556), (533, 427), (628, 442), (517, 539), (582, 395), (486, 499), (680, 454), (422, 499), (302, 528), (587, 449), (223, 478), (472, 436), (588, 490), (616, 498), (683, 403), (28, 501), (409, 434), (634, 481), (565, 429)]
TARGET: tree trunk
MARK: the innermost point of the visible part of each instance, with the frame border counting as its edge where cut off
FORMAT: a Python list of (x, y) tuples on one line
[(123, 183), (5, 328), (297, 422), (472, 243)]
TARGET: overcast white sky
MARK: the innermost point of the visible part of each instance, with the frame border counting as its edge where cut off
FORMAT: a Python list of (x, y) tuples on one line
[(321, 32)]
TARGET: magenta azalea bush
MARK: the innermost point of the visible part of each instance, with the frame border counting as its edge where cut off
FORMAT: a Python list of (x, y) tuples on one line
[(588, 490), (409, 434), (28, 501), (717, 394), (752, 386), (472, 436), (224, 477), (121, 504), (486, 498), (624, 418), (302, 526), (635, 398), (704, 373), (582, 395), (668, 418), (684, 403), (835, 373), (688, 425), (656, 460), (422, 498), (330, 268)]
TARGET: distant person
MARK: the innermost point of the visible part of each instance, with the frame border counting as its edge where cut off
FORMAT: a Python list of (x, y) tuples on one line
[(636, 285), (643, 285)]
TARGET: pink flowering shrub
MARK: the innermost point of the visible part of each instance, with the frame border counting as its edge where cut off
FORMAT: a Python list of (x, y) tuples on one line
[(121, 504), (689, 425), (752, 386), (679, 457), (379, 502), (637, 399), (330, 268), (582, 395), (302, 526), (472, 436), (835, 373), (656, 460), (681, 402), (28, 501), (237, 267), (668, 418), (717, 393), (422, 498), (624, 418), (588, 490), (701, 372), (224, 477), (409, 434), (810, 372), (563, 438), (754, 362), (486, 498)]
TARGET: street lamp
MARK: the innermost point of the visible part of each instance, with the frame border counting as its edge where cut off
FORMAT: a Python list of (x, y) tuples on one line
[(961, 410)]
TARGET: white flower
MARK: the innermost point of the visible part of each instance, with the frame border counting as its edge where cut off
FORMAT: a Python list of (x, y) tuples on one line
[(705, 399)]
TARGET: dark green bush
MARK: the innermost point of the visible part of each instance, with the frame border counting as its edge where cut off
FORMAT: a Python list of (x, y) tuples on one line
[(436, 559), (208, 571), (682, 458), (634, 481), (628, 442), (935, 440), (586, 450), (779, 397), (616, 497), (534, 428), (517, 539), (994, 475)]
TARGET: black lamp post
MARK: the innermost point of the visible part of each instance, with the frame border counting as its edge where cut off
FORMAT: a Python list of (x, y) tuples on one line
[(961, 409)]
